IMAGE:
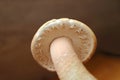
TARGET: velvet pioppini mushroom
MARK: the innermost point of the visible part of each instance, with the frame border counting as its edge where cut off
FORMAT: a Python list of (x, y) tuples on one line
[(63, 45)]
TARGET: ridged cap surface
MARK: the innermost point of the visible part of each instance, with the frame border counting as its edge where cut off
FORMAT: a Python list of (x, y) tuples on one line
[(82, 37)]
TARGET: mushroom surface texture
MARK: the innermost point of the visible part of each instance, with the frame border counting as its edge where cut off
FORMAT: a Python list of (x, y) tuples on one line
[(81, 45)]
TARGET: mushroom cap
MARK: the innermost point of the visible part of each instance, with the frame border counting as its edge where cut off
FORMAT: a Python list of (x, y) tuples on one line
[(82, 37)]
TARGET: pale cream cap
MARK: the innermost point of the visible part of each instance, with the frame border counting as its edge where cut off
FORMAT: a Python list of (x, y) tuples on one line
[(82, 37)]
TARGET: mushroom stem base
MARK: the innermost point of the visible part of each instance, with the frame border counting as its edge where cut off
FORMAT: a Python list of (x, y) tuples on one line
[(67, 64)]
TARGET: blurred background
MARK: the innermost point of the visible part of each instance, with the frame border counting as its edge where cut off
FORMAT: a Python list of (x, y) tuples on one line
[(20, 19)]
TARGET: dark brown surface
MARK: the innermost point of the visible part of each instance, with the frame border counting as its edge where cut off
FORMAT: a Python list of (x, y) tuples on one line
[(26, 16), (104, 66), (19, 20)]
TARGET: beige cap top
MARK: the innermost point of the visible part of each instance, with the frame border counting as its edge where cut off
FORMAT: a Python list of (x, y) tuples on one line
[(82, 37)]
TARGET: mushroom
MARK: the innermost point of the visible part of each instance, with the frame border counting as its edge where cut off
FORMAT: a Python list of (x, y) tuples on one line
[(62, 45)]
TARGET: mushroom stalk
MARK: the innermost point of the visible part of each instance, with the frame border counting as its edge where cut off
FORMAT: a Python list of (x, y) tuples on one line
[(66, 62)]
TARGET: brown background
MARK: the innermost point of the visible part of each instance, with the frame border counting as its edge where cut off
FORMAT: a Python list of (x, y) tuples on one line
[(20, 19)]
